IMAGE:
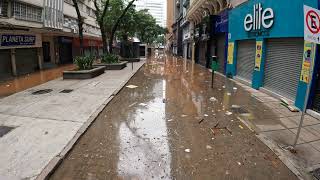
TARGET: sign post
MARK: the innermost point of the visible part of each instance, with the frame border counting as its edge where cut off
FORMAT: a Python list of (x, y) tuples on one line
[(311, 37)]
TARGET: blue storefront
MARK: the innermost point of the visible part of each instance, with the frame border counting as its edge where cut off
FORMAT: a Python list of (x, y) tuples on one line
[(266, 46), (211, 37)]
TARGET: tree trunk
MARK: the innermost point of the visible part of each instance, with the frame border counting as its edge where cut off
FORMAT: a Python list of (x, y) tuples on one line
[(104, 39), (115, 26), (80, 25)]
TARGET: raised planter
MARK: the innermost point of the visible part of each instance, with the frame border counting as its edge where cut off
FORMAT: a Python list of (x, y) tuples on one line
[(115, 66), (83, 74), (130, 59)]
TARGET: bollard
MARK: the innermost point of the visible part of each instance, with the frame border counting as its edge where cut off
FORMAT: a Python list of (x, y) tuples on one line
[(214, 67)]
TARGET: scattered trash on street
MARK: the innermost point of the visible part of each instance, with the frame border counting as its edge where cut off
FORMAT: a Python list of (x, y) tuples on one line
[(131, 86), (229, 94), (208, 147), (131, 105), (201, 121), (8, 85), (213, 99), (239, 163), (206, 115), (169, 120), (241, 127), (143, 104), (228, 113), (235, 88), (187, 150), (183, 115)]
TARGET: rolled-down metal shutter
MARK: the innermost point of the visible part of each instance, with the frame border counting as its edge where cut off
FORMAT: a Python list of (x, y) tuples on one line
[(5, 64), (26, 60), (221, 52), (283, 66), (245, 59)]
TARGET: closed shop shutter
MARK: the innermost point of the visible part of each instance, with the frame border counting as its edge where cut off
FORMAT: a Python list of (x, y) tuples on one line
[(245, 59), (283, 66), (5, 64), (221, 52), (26, 60)]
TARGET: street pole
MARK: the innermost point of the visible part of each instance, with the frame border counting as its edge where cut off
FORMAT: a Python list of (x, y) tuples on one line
[(306, 97)]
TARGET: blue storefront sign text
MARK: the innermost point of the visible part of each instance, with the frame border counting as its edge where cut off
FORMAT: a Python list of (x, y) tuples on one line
[(17, 40)]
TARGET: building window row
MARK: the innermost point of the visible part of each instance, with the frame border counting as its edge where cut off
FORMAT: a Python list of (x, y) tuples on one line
[(84, 8), (27, 12)]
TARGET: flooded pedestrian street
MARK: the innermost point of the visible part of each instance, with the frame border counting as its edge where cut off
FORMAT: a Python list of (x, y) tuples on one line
[(31, 80), (168, 123)]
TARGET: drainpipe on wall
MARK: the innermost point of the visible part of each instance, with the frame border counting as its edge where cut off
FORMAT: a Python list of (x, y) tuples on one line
[(13, 62)]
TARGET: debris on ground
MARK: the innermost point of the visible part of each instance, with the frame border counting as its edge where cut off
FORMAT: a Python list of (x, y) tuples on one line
[(8, 85), (241, 127), (229, 94), (208, 147), (206, 115), (223, 87), (284, 101), (201, 121), (228, 113), (235, 88), (235, 106), (213, 99), (132, 104), (239, 163), (183, 115), (187, 150), (169, 120), (131, 86), (143, 104)]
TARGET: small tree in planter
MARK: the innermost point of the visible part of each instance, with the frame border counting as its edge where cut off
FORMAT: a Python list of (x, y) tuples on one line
[(112, 62), (85, 69)]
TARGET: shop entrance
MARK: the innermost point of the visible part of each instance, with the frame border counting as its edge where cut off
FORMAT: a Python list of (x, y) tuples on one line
[(314, 100), (46, 52), (65, 53)]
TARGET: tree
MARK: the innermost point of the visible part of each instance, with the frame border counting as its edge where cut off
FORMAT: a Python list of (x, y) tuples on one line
[(101, 12), (80, 24), (116, 25), (109, 17)]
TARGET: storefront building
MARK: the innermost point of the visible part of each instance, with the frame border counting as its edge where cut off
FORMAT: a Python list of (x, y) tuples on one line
[(36, 35), (266, 46)]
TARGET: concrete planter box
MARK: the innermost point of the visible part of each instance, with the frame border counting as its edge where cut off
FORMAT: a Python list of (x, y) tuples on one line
[(83, 74), (130, 59), (116, 66)]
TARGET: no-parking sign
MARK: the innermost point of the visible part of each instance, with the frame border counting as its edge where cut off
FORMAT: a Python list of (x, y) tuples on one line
[(311, 24)]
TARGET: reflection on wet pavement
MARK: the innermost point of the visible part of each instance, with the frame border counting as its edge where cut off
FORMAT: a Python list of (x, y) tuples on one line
[(25, 82), (170, 127)]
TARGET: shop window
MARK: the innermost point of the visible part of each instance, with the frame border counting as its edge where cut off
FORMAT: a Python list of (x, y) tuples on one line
[(27, 12)]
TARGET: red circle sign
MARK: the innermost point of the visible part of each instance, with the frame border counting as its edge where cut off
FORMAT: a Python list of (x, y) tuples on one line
[(314, 23)]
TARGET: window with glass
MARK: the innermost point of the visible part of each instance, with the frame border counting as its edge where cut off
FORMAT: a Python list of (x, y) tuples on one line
[(27, 12), (4, 8)]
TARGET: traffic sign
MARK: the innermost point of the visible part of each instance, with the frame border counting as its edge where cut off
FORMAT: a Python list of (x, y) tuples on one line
[(311, 24)]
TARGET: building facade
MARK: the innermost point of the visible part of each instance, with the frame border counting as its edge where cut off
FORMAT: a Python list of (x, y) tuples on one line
[(157, 8), (260, 43), (38, 34)]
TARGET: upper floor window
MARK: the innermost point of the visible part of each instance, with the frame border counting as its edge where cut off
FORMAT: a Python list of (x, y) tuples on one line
[(4, 8), (27, 12)]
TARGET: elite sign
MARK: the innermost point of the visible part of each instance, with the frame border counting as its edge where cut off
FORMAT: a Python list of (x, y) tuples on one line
[(311, 24)]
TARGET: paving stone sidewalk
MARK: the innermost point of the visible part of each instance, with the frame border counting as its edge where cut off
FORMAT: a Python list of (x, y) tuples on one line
[(280, 131), (37, 129)]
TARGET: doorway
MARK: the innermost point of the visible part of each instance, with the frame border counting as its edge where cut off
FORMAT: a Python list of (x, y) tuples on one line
[(46, 52)]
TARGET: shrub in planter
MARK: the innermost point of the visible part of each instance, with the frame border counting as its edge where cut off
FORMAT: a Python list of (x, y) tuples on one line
[(84, 62), (110, 59)]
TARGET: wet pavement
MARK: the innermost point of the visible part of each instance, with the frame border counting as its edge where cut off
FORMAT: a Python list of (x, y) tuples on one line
[(31, 80), (171, 127)]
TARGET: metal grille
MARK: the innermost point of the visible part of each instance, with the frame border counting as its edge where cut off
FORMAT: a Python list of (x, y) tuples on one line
[(221, 52), (4, 8), (27, 12), (283, 65), (245, 59)]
